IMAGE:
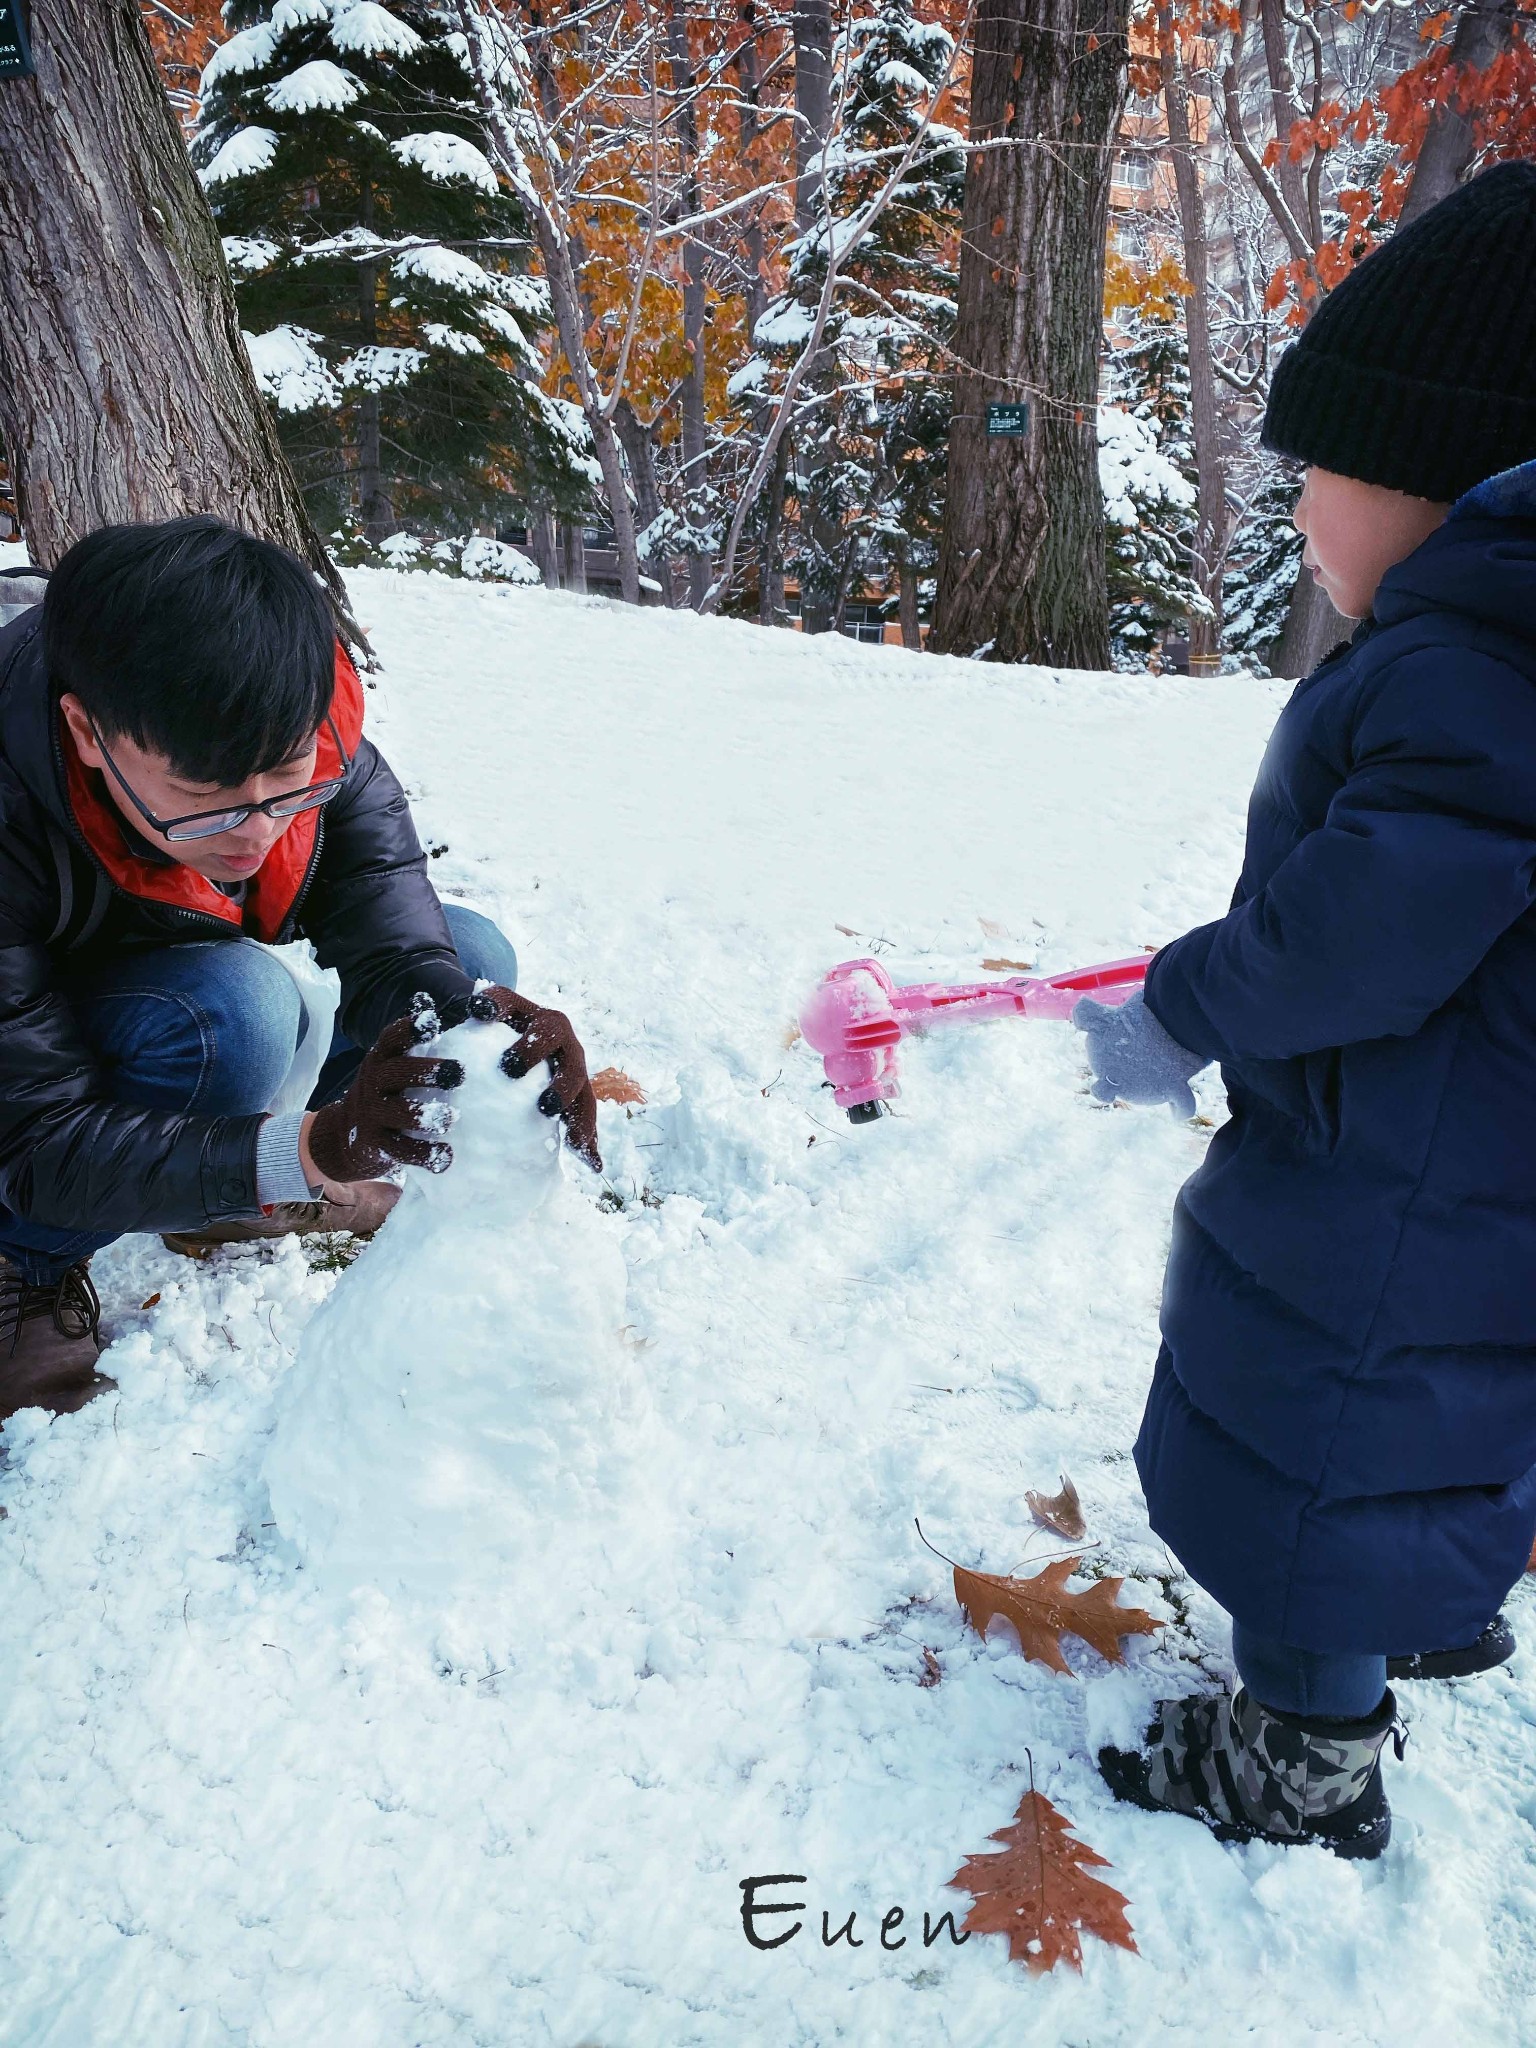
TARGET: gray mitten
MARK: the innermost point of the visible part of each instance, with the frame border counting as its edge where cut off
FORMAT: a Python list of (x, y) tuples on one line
[(1133, 1058)]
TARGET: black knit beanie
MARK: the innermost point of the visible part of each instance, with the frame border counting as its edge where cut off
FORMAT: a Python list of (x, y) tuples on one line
[(1419, 370)]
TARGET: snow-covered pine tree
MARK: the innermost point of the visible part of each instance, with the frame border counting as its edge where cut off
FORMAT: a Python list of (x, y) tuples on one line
[(1146, 468), (1262, 565), (382, 269), (867, 473)]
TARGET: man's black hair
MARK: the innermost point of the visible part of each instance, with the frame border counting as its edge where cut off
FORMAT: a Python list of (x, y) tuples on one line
[(197, 641)]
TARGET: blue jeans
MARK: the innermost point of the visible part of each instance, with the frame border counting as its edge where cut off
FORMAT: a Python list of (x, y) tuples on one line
[(208, 1029), (1333, 1685)]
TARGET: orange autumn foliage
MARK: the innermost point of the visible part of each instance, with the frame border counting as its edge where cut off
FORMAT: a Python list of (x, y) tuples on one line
[(1042, 1609), (1039, 1891)]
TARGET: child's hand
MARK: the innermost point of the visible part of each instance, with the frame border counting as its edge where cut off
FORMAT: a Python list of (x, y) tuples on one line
[(1133, 1058)]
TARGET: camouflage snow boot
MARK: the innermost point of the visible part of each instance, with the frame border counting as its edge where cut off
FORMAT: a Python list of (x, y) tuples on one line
[(1255, 1775), (1495, 1646)]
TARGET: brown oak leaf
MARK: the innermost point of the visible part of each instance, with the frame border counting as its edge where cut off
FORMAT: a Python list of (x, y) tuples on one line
[(1062, 1511), (1042, 1609), (1039, 1891), (612, 1084)]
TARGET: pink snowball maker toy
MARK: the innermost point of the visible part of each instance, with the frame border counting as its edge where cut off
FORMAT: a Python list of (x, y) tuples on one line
[(858, 1016)]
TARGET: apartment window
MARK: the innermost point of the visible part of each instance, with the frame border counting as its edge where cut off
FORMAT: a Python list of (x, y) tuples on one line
[(1134, 172)]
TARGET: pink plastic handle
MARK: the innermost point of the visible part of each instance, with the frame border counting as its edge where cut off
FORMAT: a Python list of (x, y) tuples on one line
[(857, 1017)]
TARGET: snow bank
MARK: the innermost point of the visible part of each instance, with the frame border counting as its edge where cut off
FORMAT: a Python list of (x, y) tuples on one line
[(246, 1810)]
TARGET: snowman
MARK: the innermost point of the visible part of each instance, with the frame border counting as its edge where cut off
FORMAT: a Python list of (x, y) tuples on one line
[(463, 1400)]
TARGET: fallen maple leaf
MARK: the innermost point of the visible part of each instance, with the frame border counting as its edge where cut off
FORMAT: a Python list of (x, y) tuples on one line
[(1041, 1610), (1039, 1892), (1062, 1511), (1006, 966), (612, 1084)]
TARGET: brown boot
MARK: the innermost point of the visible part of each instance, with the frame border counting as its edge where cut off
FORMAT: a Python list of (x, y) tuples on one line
[(49, 1342), (358, 1209)]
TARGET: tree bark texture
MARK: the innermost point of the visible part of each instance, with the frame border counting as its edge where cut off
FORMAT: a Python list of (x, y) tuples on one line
[(1275, 34), (1021, 566), (1312, 629), (125, 390), (637, 441), (812, 33), (1481, 36), (1209, 551), (695, 431)]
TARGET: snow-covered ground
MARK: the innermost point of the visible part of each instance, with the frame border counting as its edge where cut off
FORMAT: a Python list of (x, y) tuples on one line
[(246, 1804)]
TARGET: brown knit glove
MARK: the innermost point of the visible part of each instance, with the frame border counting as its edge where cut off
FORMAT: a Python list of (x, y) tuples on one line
[(375, 1125), (546, 1035)]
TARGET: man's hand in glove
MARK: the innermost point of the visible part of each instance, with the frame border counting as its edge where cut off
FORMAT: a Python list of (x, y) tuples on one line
[(376, 1125), (1133, 1058), (546, 1035)]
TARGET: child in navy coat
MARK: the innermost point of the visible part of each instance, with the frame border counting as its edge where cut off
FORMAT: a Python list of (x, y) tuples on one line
[(1340, 1441)]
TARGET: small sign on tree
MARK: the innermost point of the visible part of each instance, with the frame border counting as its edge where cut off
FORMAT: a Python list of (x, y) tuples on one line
[(1011, 421), (15, 50)]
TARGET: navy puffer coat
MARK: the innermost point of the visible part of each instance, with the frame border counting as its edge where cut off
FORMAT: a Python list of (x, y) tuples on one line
[(1340, 1441)]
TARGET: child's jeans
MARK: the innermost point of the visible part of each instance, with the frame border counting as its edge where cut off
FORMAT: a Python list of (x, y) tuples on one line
[(1332, 1685), (209, 1029)]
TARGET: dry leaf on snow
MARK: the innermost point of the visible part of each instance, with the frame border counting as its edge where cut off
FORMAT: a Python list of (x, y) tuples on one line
[(1042, 1609), (1038, 1890), (1006, 966), (612, 1084), (1062, 1511)]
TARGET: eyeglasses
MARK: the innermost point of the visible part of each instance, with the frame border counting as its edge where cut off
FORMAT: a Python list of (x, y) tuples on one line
[(208, 824)]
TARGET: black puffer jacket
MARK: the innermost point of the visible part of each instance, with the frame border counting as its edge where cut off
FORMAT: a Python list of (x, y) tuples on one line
[(69, 1155)]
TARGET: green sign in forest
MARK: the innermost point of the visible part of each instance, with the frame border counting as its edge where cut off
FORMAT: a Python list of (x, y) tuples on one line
[(1012, 420), (15, 51)]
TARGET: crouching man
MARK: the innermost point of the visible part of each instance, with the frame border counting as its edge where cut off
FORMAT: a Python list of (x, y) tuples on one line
[(184, 784)]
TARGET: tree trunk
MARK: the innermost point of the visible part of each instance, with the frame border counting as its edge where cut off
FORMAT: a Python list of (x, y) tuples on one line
[(375, 513), (125, 390), (640, 455), (812, 28), (1312, 629), (771, 610), (1210, 542), (1481, 36), (694, 475), (1275, 35), (1021, 565), (573, 558), (546, 548), (816, 447), (906, 604)]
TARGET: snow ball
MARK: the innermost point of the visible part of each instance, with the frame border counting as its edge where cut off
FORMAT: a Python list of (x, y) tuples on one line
[(290, 370), (460, 1401), (447, 159), (319, 86), (247, 151), (372, 31)]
